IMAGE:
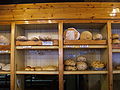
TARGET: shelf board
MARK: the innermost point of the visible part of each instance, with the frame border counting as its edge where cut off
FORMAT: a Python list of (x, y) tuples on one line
[(85, 72), (4, 51), (36, 43), (4, 72), (37, 47), (4, 47), (85, 46), (37, 72), (116, 46), (116, 71), (116, 50), (85, 42)]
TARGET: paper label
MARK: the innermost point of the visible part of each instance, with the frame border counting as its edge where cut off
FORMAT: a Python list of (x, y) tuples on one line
[(83, 46), (47, 42), (26, 46)]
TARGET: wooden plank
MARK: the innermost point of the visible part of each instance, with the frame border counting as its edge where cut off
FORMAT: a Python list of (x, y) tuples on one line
[(85, 46), (4, 47), (85, 72), (12, 59), (116, 50), (85, 42), (116, 71), (5, 72), (110, 75), (61, 69), (34, 43), (38, 72), (36, 47)]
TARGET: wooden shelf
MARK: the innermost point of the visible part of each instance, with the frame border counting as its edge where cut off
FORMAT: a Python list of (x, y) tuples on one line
[(85, 42), (116, 46), (35, 43), (4, 47), (37, 47), (37, 72), (4, 72), (116, 71), (85, 72), (85, 46)]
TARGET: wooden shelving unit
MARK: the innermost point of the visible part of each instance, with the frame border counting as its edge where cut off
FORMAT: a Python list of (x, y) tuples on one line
[(38, 19)]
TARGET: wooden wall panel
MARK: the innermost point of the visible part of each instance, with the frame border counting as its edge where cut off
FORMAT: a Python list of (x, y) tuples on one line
[(84, 10)]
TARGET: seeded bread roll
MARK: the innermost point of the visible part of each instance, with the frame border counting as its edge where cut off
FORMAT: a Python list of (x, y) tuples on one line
[(116, 41), (81, 58), (81, 66), (70, 62), (70, 68), (21, 38), (71, 34), (97, 36), (115, 36), (86, 35), (50, 68)]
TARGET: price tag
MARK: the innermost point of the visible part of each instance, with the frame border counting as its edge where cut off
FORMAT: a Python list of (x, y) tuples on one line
[(83, 46), (26, 46), (47, 42), (70, 46)]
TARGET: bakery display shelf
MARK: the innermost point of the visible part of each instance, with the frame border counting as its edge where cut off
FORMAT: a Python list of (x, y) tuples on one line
[(85, 46), (85, 72), (37, 47), (37, 43), (85, 42), (4, 72), (116, 71), (4, 47), (37, 72)]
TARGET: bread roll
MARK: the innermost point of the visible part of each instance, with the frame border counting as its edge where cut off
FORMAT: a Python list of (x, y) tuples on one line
[(50, 68), (32, 69), (70, 68), (115, 36), (34, 39), (97, 36), (28, 68), (81, 66), (21, 38), (2, 65), (86, 35), (116, 41), (38, 68), (81, 58), (71, 34), (70, 62)]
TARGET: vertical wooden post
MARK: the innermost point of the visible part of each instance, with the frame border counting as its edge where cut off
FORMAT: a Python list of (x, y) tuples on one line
[(61, 82), (12, 62), (110, 71)]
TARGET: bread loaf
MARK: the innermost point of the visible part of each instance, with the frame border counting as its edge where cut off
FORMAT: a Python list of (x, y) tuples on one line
[(70, 68), (50, 68), (86, 35), (81, 66), (70, 62), (116, 41), (21, 38), (71, 34), (97, 37), (81, 58), (38, 68), (6, 67), (115, 36)]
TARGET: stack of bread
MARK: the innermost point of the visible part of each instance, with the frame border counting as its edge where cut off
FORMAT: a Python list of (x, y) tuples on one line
[(81, 63), (70, 65), (115, 38), (45, 68), (97, 65), (73, 34)]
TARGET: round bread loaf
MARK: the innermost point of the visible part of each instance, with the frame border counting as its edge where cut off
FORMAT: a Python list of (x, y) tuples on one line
[(116, 41), (97, 36), (70, 62), (86, 35), (115, 36), (71, 34), (81, 66), (70, 68), (81, 58)]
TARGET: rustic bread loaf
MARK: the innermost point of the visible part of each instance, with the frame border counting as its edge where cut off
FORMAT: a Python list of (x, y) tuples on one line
[(70, 62), (86, 35), (81, 66), (81, 58), (70, 68), (97, 37), (115, 36)]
